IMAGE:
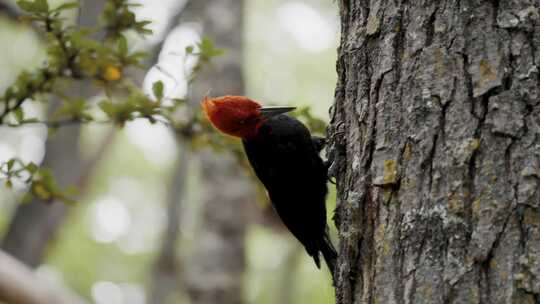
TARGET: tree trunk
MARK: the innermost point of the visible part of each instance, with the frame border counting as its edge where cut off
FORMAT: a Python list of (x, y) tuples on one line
[(435, 143), (35, 224), (166, 267), (215, 269)]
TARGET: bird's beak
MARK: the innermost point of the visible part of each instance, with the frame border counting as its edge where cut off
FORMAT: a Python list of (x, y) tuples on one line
[(268, 112)]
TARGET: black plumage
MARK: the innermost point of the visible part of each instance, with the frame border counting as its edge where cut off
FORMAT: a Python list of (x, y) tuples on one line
[(286, 160)]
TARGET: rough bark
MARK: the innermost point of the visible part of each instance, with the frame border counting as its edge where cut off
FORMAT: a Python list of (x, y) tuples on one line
[(435, 143), (215, 269)]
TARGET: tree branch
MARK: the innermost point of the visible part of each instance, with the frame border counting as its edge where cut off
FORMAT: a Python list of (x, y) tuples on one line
[(19, 285), (9, 10)]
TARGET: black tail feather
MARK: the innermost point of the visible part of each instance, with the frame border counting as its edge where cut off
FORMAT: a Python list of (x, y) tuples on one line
[(317, 260), (329, 253)]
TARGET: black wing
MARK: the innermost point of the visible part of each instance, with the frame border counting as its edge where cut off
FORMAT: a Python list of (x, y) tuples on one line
[(286, 161)]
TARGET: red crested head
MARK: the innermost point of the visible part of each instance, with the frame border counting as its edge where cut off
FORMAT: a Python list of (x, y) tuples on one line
[(238, 116)]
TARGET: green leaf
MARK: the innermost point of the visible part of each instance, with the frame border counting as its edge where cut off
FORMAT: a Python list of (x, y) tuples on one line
[(72, 108), (19, 114), (157, 88), (46, 177), (107, 107), (189, 49), (140, 27), (31, 168), (122, 46), (134, 59), (37, 6), (67, 6), (25, 5), (208, 49), (42, 6), (41, 191), (10, 164), (126, 19)]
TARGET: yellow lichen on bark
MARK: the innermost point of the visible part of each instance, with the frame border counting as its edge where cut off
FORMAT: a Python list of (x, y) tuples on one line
[(389, 171)]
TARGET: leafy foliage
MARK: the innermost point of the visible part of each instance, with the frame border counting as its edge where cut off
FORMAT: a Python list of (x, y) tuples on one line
[(43, 184), (74, 55)]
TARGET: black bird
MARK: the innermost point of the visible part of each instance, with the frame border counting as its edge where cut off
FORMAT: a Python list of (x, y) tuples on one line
[(285, 158)]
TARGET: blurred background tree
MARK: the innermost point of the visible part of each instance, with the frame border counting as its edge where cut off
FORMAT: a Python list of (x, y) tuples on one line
[(131, 238), (34, 224)]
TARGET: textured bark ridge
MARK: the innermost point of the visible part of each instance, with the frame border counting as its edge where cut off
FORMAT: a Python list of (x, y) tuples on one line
[(435, 143)]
